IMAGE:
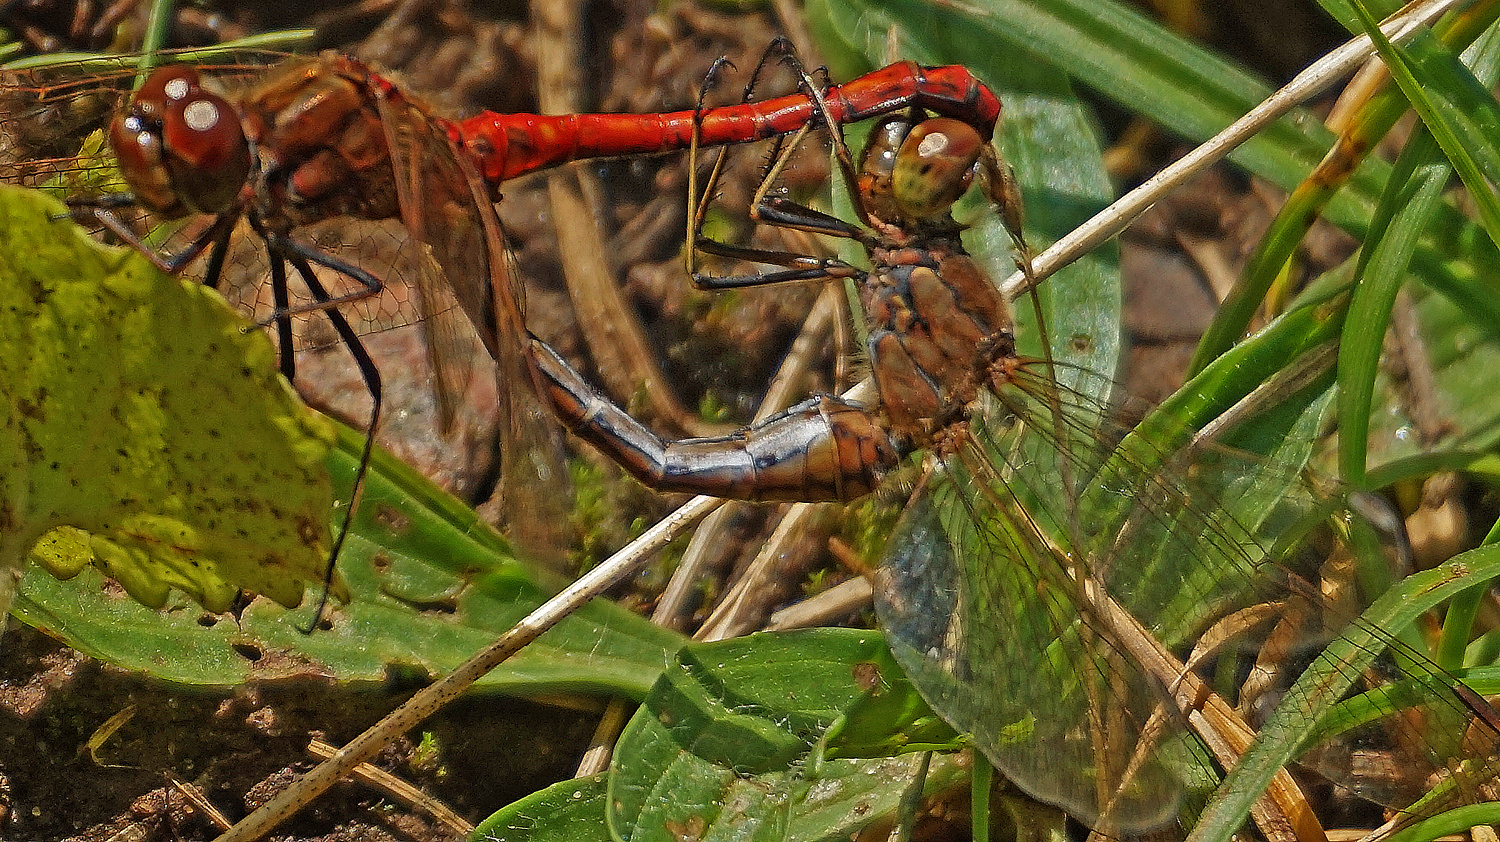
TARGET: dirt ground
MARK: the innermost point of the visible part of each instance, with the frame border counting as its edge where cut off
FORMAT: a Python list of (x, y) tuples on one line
[(238, 745)]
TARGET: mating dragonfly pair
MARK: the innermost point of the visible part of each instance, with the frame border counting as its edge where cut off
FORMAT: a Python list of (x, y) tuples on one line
[(1035, 589)]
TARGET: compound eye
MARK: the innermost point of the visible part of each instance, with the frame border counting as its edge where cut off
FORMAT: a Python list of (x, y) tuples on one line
[(877, 167), (174, 82), (935, 166), (135, 136), (206, 150), (180, 146)]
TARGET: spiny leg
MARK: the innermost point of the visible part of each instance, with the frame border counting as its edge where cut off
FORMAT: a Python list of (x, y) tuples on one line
[(772, 210), (294, 250), (368, 372), (286, 353), (102, 209)]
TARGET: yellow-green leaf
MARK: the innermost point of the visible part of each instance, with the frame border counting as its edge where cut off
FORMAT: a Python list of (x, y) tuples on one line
[(147, 430)]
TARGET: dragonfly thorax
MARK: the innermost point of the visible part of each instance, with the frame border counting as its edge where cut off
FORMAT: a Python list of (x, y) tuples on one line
[(321, 145), (935, 325)]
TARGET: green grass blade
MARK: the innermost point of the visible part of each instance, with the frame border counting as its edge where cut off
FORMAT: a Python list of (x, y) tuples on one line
[(1457, 109), (1324, 683), (1417, 185)]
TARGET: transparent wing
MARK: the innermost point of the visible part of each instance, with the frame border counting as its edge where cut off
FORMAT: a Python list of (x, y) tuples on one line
[(1046, 587), (456, 261), (448, 206)]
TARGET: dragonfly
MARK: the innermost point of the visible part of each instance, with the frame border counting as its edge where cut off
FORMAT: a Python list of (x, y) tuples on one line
[(328, 137), (1056, 587)]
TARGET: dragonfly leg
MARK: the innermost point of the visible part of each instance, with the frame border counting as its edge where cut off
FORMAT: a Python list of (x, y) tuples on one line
[(824, 448), (799, 267), (295, 250), (101, 210), (770, 209), (1000, 186), (370, 374), (773, 210), (286, 351)]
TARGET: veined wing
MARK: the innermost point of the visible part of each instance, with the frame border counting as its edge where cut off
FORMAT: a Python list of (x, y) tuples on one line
[(446, 203), (1045, 588)]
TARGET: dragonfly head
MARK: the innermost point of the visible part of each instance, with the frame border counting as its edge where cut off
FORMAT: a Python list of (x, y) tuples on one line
[(180, 145), (915, 172)]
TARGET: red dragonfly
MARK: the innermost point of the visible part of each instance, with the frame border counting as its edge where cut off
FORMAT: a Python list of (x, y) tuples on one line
[(1048, 588), (328, 137)]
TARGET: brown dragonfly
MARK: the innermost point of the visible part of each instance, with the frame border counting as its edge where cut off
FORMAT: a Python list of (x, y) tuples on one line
[(1103, 611)]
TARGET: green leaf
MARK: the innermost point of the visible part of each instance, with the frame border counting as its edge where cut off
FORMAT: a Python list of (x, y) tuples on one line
[(892, 718), (1456, 108), (1459, 340), (1454, 822), (150, 424), (1327, 679), (726, 744), (1416, 186), (430, 584), (567, 811)]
